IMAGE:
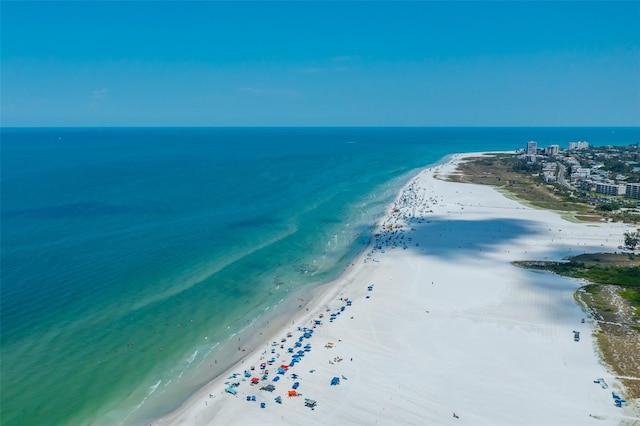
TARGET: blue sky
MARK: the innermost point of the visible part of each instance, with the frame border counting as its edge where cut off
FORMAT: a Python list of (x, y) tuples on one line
[(207, 63)]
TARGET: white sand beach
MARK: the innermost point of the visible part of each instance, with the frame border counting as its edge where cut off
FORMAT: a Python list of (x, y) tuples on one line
[(450, 333)]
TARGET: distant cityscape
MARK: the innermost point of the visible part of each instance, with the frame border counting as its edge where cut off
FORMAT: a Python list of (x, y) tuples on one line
[(608, 170)]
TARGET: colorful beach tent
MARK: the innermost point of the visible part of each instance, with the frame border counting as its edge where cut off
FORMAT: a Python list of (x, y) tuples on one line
[(292, 393), (255, 380), (335, 381)]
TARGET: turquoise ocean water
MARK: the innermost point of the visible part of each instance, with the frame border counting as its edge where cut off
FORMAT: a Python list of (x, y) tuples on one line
[(134, 259)]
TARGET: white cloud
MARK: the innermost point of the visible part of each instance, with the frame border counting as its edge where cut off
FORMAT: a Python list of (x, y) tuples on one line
[(99, 94)]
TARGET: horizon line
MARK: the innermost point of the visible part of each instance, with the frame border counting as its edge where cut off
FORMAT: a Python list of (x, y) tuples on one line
[(313, 127)]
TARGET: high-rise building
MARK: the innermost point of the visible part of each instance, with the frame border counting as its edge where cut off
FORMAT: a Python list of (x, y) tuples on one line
[(610, 188), (532, 148), (578, 145), (552, 150), (633, 190)]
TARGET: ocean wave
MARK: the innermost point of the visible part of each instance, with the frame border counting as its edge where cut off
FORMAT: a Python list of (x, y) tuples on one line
[(150, 391)]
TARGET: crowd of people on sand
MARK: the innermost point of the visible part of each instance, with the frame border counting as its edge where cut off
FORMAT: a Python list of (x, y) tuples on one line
[(411, 206)]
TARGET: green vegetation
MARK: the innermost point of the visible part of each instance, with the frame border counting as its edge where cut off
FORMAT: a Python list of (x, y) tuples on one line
[(599, 269), (632, 239), (609, 207)]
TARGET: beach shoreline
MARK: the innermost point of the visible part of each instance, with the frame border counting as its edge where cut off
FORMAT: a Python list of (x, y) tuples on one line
[(405, 248)]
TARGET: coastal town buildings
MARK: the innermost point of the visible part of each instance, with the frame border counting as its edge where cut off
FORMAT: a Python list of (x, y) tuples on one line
[(611, 171)]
